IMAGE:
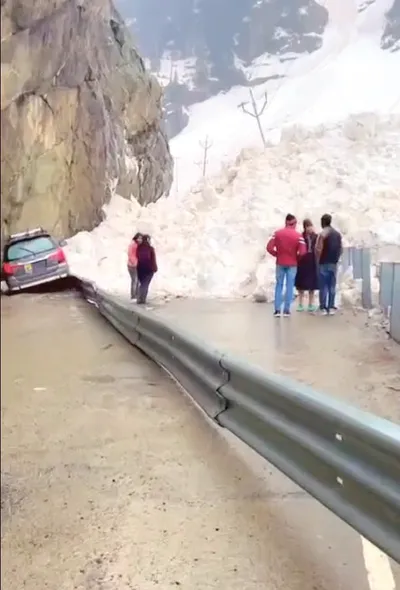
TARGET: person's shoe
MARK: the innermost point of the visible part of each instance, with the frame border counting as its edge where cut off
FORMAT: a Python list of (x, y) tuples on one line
[(300, 307), (286, 314), (332, 311), (324, 311), (277, 314), (311, 308)]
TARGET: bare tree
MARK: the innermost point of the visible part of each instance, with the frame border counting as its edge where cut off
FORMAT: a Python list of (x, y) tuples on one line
[(256, 113), (206, 145)]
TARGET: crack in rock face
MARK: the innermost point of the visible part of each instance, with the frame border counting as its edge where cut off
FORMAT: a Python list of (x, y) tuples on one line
[(79, 115)]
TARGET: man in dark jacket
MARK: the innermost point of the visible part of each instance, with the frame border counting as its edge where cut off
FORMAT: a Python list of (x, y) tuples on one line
[(328, 251)]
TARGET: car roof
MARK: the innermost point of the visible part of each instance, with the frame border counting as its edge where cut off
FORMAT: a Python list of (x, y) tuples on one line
[(26, 235)]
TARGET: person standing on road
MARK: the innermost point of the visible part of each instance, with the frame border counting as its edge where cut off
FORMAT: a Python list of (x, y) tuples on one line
[(287, 246), (328, 251), (307, 276), (146, 267), (132, 263)]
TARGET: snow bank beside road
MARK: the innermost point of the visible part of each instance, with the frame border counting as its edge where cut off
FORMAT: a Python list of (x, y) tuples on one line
[(211, 241)]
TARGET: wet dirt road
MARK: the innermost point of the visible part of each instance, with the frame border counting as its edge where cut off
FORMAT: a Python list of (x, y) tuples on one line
[(113, 480)]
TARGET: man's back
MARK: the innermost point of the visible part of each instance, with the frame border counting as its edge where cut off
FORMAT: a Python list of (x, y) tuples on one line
[(331, 246), (286, 244)]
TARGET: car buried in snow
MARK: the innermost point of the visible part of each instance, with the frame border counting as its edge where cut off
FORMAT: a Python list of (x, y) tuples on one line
[(32, 258)]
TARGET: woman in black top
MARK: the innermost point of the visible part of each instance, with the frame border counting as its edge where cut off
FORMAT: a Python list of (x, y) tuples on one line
[(146, 267), (307, 277)]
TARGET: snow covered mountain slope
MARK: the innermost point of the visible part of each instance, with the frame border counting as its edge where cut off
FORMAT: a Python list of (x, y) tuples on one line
[(198, 48), (210, 233)]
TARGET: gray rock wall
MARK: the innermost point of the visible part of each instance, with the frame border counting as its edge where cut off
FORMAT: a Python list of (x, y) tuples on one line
[(79, 114)]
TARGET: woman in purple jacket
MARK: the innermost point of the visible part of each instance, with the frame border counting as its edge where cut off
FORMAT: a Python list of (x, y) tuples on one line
[(146, 267)]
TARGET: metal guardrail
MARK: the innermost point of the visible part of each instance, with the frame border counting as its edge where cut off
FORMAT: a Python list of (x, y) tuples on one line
[(389, 295), (388, 273), (195, 367), (347, 459)]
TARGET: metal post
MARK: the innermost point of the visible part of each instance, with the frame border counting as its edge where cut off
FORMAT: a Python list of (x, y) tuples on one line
[(395, 307), (366, 293), (386, 278), (357, 263)]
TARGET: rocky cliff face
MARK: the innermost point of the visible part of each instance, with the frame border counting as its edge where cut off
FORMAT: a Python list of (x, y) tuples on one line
[(79, 114), (391, 35)]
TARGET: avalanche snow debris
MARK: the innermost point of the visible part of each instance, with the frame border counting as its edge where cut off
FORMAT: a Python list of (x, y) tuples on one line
[(211, 243)]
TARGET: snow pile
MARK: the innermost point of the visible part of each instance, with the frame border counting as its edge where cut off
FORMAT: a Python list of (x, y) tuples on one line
[(211, 242), (320, 158)]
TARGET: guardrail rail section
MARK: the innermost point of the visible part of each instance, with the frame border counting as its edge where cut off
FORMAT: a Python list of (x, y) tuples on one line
[(345, 458), (197, 369), (388, 273)]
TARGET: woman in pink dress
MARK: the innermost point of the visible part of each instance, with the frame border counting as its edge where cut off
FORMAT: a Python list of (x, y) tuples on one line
[(132, 263)]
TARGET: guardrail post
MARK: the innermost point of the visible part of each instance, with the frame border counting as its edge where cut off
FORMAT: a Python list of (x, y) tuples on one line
[(395, 304), (346, 259), (357, 263), (366, 293), (386, 278)]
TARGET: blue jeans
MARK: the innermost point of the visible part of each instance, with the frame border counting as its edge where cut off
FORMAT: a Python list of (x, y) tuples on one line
[(327, 286), (134, 280), (284, 274)]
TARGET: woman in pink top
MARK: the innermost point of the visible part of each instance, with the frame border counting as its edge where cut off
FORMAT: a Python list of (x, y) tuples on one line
[(132, 263)]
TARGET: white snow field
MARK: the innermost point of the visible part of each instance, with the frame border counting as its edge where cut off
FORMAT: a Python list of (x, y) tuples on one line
[(333, 134)]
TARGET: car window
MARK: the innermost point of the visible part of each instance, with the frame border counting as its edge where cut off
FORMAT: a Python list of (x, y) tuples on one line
[(27, 248)]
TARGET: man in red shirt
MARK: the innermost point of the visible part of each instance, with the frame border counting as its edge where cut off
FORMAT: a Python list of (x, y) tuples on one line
[(286, 245)]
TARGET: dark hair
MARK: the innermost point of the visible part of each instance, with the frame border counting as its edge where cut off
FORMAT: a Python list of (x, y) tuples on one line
[(290, 219), (307, 223), (136, 236), (146, 238), (326, 220)]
